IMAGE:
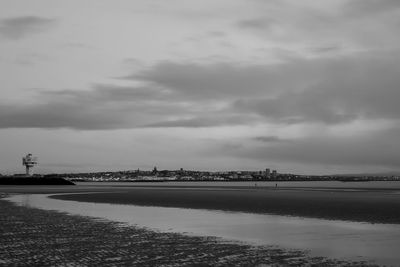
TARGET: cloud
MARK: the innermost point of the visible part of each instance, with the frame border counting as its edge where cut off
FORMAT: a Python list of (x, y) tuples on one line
[(58, 115), (30, 59), (102, 107), (358, 24), (325, 90), (329, 91), (326, 49), (268, 139), (370, 7), (204, 121), (339, 90), (216, 80), (108, 93), (378, 148), (108, 106), (259, 23), (19, 27)]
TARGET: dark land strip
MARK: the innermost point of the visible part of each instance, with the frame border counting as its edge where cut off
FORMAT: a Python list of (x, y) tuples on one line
[(34, 237), (373, 206)]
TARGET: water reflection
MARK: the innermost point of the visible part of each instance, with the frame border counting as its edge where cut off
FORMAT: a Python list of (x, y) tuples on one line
[(309, 185), (337, 239)]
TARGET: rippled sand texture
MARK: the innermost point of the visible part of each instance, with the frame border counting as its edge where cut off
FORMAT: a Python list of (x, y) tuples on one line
[(48, 238)]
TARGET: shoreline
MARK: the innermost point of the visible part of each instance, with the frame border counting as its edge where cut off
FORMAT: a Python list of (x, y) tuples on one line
[(27, 238), (370, 206)]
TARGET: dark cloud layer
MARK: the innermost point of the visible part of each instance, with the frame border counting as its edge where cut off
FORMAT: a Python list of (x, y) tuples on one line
[(19, 27), (368, 7), (268, 139), (325, 90), (259, 23), (103, 107), (220, 80), (205, 121), (58, 115), (340, 90)]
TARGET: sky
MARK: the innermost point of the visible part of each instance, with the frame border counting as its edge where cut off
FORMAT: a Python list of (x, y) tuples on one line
[(301, 86)]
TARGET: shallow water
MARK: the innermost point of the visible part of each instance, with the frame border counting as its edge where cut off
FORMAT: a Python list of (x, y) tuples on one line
[(395, 185), (335, 239)]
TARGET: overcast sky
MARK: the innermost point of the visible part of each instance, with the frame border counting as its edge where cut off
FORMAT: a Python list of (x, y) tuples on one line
[(303, 86)]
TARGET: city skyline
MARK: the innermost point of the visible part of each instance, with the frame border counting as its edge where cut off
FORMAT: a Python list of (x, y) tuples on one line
[(304, 87)]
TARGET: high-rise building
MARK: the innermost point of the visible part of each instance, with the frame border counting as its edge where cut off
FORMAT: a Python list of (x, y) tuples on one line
[(274, 174), (267, 173)]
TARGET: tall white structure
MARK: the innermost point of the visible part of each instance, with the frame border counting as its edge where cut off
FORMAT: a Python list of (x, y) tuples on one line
[(29, 162)]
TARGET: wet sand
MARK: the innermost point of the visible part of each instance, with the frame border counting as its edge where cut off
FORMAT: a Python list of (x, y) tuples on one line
[(47, 238), (373, 206), (37, 237)]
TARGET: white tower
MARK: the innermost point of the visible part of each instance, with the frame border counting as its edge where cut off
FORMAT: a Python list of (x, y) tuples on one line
[(29, 162)]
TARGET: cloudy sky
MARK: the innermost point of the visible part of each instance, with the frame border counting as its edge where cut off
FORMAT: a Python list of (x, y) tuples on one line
[(303, 86)]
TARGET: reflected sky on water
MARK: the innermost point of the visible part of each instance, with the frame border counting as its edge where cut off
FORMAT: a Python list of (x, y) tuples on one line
[(336, 239)]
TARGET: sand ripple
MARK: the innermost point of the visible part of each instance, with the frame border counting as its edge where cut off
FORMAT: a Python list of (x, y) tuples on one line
[(47, 238)]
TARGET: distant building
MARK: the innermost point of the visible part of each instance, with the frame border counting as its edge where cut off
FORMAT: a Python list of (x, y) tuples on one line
[(274, 174), (155, 171), (235, 175), (267, 173)]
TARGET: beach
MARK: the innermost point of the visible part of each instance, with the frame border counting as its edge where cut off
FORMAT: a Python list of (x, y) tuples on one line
[(33, 236), (367, 205), (50, 237), (379, 204), (37, 237)]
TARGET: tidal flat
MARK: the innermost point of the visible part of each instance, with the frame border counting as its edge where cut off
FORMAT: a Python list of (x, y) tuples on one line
[(31, 236), (378, 204)]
